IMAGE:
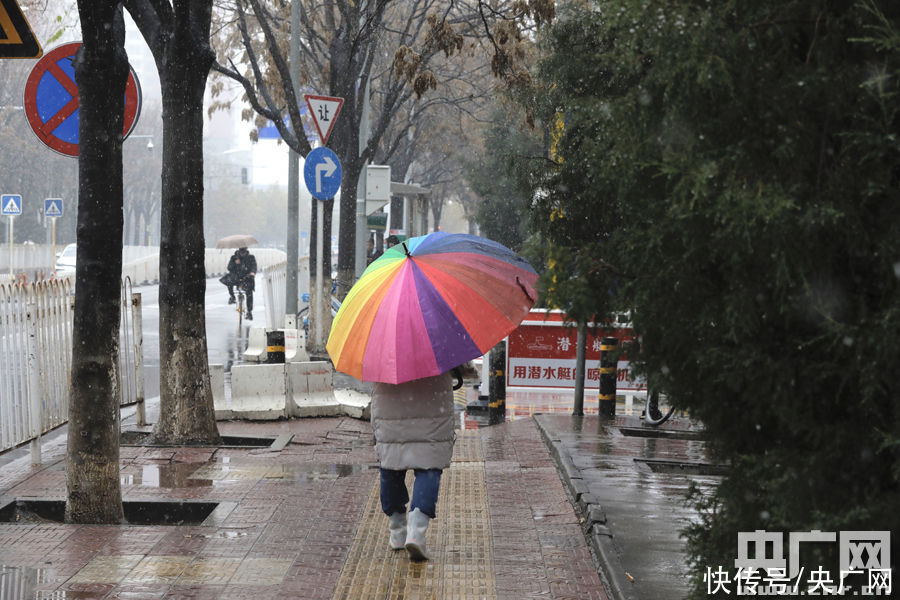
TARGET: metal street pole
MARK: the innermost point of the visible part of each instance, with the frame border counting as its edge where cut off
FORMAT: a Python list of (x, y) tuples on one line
[(53, 245), (293, 208), (11, 256), (581, 342), (320, 275)]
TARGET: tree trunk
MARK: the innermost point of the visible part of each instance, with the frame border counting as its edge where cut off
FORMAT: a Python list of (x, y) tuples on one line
[(93, 489), (346, 267), (187, 415), (327, 227)]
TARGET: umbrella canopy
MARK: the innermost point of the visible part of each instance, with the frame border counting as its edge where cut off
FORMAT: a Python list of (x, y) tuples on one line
[(428, 305), (237, 241)]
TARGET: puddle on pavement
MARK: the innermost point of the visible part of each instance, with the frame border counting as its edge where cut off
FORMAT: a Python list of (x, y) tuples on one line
[(20, 582), (223, 471), (228, 534), (172, 475), (300, 473), (669, 434)]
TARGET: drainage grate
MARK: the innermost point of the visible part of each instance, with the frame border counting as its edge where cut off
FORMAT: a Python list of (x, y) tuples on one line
[(669, 434), (684, 467), (141, 438), (149, 512)]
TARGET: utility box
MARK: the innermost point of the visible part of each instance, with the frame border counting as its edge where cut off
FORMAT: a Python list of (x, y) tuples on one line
[(378, 187)]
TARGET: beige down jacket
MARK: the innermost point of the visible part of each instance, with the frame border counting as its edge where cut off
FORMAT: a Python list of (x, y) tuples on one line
[(413, 423)]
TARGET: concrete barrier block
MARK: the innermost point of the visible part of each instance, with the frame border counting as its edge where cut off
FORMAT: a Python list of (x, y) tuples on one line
[(258, 392), (310, 391), (295, 346), (320, 376), (354, 404), (256, 345)]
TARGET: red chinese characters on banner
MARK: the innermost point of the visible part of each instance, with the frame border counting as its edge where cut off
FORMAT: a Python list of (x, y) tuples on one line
[(540, 353)]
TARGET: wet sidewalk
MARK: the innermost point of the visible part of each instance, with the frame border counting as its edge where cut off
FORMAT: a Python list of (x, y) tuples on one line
[(629, 481), (301, 519)]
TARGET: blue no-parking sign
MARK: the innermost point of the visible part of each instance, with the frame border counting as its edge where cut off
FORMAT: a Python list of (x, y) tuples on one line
[(51, 100), (322, 173)]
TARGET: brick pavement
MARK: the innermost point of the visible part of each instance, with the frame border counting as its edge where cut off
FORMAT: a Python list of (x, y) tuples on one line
[(305, 523)]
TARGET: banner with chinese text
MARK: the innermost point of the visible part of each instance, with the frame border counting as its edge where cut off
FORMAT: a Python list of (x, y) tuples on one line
[(540, 353)]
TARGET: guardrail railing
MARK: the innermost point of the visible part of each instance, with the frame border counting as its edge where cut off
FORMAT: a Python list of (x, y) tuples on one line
[(274, 280), (36, 358)]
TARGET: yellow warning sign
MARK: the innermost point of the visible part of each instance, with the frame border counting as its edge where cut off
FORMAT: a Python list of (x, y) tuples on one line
[(16, 38)]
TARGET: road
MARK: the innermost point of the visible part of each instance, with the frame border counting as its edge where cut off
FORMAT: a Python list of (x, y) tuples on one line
[(225, 343)]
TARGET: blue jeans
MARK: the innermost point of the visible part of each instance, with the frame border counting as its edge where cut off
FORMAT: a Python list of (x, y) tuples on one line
[(394, 494)]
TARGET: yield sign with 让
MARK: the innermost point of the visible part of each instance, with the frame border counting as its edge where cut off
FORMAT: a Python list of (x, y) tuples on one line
[(324, 111), (16, 37)]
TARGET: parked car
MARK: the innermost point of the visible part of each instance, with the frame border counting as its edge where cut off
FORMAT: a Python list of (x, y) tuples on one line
[(65, 261)]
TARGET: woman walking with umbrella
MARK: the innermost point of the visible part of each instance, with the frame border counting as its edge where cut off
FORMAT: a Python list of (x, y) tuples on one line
[(421, 309), (413, 424)]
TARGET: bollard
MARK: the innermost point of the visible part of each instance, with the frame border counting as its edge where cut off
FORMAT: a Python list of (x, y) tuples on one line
[(607, 398), (497, 385), (275, 346)]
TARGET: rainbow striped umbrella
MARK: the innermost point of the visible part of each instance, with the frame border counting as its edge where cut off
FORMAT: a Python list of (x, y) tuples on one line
[(428, 305)]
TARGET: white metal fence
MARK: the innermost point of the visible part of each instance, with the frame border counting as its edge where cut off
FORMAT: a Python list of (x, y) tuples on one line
[(140, 263), (36, 357), (274, 279)]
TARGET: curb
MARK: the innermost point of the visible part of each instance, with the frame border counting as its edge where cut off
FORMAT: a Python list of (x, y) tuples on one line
[(593, 520)]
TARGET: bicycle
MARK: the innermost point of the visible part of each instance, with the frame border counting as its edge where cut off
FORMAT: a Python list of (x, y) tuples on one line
[(239, 305)]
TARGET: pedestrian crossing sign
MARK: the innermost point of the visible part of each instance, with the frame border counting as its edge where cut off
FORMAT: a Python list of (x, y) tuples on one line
[(10, 205), (53, 207)]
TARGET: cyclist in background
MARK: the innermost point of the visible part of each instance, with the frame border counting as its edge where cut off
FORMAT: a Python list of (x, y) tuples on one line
[(241, 272)]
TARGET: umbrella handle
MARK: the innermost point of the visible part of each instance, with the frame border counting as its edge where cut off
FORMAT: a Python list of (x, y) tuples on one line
[(459, 379)]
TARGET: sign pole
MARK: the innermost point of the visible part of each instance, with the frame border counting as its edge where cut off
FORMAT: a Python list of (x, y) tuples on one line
[(11, 230), (320, 268), (580, 342), (53, 245)]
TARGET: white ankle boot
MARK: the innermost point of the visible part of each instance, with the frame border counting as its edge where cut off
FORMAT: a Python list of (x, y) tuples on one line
[(415, 534), (397, 526)]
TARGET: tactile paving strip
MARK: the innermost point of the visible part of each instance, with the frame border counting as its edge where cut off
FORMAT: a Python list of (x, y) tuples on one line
[(459, 542), (467, 447)]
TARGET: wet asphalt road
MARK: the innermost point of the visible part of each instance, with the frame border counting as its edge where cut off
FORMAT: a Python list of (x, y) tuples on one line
[(225, 343)]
